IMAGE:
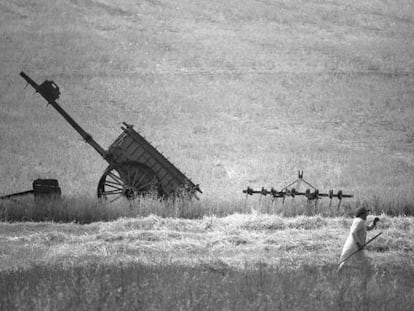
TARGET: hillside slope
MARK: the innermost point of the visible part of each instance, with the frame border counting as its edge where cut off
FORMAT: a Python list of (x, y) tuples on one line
[(236, 93)]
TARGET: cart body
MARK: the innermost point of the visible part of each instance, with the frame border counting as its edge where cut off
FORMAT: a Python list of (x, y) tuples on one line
[(130, 146)]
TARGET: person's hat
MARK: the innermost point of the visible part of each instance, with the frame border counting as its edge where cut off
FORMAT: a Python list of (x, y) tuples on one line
[(360, 211)]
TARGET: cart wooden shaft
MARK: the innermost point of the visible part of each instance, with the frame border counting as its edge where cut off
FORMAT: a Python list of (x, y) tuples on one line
[(46, 94)]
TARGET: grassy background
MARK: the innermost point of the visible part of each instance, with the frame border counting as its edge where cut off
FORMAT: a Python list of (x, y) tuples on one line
[(236, 93)]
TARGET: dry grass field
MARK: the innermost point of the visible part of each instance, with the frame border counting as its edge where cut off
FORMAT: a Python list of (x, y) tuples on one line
[(236, 94), (238, 262)]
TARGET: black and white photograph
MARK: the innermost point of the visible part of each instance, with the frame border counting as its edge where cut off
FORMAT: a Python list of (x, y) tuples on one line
[(235, 155)]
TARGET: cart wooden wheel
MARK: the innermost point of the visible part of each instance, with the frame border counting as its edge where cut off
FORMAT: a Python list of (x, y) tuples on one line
[(128, 180)]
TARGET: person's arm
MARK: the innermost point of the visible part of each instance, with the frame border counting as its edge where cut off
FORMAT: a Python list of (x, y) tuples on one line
[(373, 224)]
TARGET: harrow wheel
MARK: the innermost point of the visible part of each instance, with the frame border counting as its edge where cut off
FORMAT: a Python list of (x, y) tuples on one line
[(129, 180)]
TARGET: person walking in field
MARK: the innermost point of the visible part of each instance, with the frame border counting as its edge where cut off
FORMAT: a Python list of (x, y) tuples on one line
[(356, 262), (355, 241)]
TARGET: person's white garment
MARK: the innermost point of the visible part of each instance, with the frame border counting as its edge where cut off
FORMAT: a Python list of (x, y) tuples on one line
[(357, 234)]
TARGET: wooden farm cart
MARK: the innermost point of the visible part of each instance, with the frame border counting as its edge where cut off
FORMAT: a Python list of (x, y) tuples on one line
[(135, 168)]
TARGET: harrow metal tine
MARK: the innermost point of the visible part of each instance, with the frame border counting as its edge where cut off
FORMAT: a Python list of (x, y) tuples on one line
[(307, 194)]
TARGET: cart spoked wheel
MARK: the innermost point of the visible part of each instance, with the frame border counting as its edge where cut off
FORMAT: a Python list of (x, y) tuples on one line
[(129, 180)]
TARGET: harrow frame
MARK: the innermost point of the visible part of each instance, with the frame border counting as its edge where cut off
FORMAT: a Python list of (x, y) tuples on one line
[(288, 191)]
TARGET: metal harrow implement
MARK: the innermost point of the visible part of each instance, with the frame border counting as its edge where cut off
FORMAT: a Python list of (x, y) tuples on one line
[(136, 168), (311, 193)]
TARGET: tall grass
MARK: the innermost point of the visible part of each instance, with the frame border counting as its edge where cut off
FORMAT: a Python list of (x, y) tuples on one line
[(212, 287), (87, 209)]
